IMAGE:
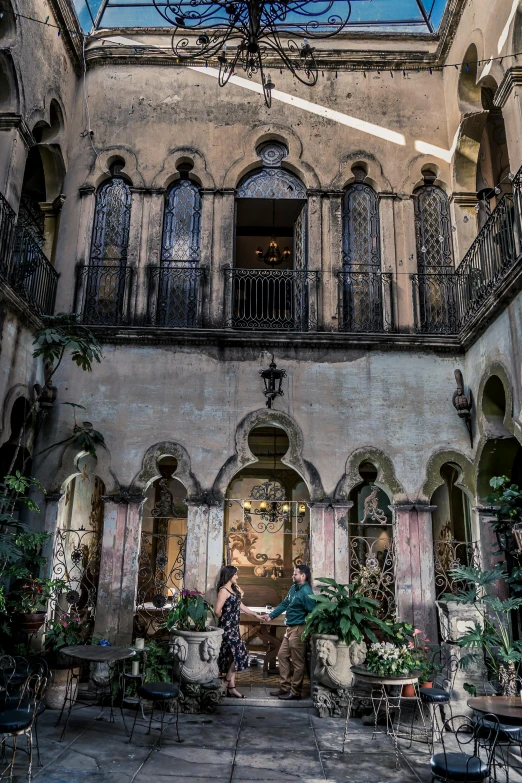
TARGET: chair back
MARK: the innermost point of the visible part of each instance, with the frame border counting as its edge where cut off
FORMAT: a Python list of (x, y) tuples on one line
[(476, 739), (32, 693)]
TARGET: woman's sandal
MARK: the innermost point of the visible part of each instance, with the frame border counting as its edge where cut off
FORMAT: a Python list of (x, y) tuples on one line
[(233, 695)]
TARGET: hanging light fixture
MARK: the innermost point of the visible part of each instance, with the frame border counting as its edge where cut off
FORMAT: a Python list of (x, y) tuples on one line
[(245, 34), (273, 379), (273, 256)]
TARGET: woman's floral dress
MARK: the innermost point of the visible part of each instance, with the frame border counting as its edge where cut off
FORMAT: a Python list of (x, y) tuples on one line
[(231, 644)]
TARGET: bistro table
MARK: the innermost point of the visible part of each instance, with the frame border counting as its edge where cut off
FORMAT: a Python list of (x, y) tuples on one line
[(83, 654), (381, 696), (267, 632), (508, 710)]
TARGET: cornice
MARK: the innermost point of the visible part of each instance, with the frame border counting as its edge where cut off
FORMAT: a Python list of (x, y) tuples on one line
[(512, 78), (9, 121), (464, 198)]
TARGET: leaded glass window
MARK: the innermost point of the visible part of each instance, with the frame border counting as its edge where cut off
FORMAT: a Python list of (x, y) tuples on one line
[(271, 183), (110, 235), (182, 223), (361, 240), (432, 228)]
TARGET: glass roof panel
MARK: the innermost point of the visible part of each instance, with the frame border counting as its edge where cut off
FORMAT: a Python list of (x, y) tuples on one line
[(378, 15)]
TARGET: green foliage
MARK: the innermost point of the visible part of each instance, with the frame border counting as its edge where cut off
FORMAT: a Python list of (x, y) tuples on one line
[(345, 613), (61, 334), (158, 666), (389, 659), (66, 631), (190, 612), (470, 688), (33, 595), (490, 634)]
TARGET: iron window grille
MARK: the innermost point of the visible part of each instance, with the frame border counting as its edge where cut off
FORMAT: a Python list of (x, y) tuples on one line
[(110, 235), (365, 301), (432, 228), (361, 235), (174, 295), (182, 223)]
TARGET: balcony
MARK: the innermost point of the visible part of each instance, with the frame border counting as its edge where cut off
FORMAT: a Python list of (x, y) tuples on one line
[(271, 299), (102, 295), (365, 301), (174, 296), (24, 265)]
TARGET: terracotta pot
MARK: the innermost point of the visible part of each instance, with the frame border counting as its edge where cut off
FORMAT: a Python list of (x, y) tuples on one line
[(408, 691), (426, 685), (31, 623), (56, 690)]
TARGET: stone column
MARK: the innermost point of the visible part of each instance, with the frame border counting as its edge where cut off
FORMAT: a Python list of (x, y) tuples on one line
[(51, 211), (425, 610), (322, 540), (406, 259), (15, 141), (342, 543), (146, 286), (488, 545), (52, 511), (314, 256), (508, 97), (224, 237), (118, 578), (136, 254), (204, 550), (332, 260), (465, 222), (207, 254), (388, 257), (70, 279), (402, 515)]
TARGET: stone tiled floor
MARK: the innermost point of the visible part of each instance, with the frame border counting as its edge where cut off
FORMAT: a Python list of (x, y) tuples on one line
[(236, 744)]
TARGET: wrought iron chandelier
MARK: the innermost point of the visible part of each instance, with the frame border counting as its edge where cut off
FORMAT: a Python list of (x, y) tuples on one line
[(244, 34), (273, 256)]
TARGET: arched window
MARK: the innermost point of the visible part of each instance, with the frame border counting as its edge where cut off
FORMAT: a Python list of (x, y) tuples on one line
[(110, 234), (107, 278), (182, 223), (432, 226), (361, 242)]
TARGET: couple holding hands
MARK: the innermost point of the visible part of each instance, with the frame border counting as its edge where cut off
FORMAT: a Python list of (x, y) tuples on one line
[(233, 656)]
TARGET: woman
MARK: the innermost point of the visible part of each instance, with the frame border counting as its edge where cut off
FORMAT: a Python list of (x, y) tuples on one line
[(233, 656)]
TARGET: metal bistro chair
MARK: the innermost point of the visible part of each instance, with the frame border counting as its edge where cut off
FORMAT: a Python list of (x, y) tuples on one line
[(474, 737), (19, 718), (508, 736), (13, 691), (439, 697), (163, 694)]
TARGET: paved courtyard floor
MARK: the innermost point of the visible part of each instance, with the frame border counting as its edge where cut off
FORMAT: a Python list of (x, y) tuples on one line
[(238, 743)]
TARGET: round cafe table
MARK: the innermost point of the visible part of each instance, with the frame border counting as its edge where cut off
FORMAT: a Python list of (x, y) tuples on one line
[(81, 655), (508, 709)]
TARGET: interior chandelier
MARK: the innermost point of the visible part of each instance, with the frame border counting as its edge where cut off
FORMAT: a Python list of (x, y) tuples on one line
[(273, 256), (244, 34)]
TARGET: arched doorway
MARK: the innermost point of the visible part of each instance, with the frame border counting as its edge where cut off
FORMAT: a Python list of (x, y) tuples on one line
[(77, 544), (371, 544), (267, 533), (161, 565), (271, 285), (493, 159), (453, 540)]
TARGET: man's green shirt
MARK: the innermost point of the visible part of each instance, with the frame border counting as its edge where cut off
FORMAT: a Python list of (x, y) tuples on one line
[(297, 605)]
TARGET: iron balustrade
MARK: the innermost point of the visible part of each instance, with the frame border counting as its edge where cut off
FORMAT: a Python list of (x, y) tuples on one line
[(365, 301), (446, 299), (103, 293), (449, 554), (174, 295), (31, 274), (7, 227), (435, 306), (271, 299)]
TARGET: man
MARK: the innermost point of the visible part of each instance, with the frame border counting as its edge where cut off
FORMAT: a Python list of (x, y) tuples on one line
[(297, 605)]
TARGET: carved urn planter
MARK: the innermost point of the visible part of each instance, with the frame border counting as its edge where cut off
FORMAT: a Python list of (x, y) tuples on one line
[(31, 623), (195, 654), (334, 660)]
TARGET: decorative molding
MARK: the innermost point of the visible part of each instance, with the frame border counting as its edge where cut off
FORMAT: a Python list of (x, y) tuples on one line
[(10, 120), (86, 190), (512, 78), (463, 199)]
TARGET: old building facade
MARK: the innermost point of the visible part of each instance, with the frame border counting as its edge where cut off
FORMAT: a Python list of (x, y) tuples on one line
[(143, 197)]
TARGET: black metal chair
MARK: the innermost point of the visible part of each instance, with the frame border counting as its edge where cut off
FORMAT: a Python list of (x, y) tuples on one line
[(475, 737), (19, 718), (436, 699), (164, 694), (508, 736), (14, 693)]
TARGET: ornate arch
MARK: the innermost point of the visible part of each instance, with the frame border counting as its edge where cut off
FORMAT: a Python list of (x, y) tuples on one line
[(466, 480), (69, 468), (169, 172), (499, 369), (150, 472), (244, 457), (271, 183), (386, 477), (14, 394)]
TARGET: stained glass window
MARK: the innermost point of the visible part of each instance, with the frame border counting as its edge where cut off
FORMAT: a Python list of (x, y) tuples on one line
[(110, 235), (182, 223), (361, 240)]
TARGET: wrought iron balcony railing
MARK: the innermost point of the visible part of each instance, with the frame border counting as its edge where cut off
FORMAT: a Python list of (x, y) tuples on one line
[(446, 300), (31, 273), (7, 228), (174, 295), (102, 294), (271, 299), (365, 301)]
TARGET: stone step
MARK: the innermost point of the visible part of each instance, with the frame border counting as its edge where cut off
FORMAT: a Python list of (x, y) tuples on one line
[(267, 702)]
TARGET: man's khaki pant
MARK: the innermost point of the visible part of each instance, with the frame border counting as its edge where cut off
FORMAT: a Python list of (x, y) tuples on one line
[(291, 655)]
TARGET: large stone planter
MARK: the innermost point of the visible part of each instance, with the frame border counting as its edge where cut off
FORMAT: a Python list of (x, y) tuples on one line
[(195, 654), (334, 660), (57, 688)]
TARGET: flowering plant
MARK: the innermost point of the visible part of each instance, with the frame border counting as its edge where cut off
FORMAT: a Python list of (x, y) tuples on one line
[(66, 631), (33, 595), (190, 612), (389, 659)]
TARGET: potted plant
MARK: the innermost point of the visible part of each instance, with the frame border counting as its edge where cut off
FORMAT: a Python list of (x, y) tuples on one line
[(490, 635), (340, 624), (194, 645), (29, 601), (63, 631), (391, 660)]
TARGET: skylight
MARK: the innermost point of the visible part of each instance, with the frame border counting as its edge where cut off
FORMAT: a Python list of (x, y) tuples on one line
[(422, 16)]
